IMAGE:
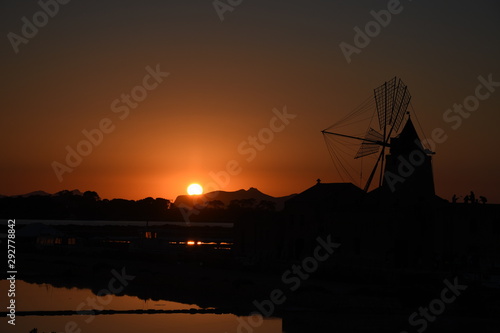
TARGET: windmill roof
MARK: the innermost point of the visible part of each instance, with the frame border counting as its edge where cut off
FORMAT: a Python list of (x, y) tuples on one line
[(340, 193), (409, 135)]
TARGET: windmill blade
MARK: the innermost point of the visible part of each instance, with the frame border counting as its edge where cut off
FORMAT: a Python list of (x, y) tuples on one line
[(370, 145), (402, 100), (384, 97), (392, 99)]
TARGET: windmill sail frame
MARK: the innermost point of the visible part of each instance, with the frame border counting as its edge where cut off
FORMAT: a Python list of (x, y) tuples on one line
[(392, 99), (369, 146)]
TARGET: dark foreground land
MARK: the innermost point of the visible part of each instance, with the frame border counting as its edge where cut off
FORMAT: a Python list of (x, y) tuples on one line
[(335, 300)]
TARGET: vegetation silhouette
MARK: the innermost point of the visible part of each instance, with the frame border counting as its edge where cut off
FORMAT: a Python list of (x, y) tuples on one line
[(71, 205)]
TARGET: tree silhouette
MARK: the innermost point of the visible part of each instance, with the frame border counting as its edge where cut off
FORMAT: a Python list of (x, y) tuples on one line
[(91, 196), (266, 205), (215, 204), (247, 203), (235, 204)]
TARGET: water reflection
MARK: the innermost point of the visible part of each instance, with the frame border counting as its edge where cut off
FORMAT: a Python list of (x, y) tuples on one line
[(133, 323), (45, 297)]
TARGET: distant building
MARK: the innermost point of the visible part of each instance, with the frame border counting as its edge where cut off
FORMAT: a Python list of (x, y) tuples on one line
[(42, 236)]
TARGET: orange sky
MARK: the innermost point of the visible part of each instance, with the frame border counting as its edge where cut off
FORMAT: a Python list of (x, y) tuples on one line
[(225, 80)]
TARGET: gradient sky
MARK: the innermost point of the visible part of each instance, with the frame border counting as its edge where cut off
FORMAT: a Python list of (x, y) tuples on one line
[(225, 79)]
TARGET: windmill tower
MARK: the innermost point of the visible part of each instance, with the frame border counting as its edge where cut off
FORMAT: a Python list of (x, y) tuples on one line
[(407, 168)]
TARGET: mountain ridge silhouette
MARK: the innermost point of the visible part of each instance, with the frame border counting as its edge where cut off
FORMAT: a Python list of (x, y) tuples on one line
[(227, 196)]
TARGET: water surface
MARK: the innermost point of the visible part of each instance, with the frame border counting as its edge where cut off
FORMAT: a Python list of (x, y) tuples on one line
[(45, 297)]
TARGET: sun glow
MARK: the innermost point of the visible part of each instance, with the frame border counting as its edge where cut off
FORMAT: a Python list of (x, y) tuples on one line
[(195, 189)]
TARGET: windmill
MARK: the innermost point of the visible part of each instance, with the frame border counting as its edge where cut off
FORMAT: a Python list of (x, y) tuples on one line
[(390, 104)]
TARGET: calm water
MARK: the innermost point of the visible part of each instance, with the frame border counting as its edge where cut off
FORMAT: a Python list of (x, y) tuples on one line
[(40, 297)]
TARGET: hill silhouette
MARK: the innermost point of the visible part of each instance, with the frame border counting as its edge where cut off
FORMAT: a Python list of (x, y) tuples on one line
[(220, 199), (43, 193), (76, 205)]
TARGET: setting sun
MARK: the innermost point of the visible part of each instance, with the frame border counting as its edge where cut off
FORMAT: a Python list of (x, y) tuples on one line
[(195, 189)]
